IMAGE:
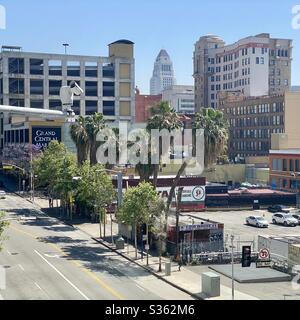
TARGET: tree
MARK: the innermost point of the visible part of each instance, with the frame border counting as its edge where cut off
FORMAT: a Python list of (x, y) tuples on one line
[(163, 117), (94, 124), (3, 225), (55, 169), (215, 128), (137, 207), (158, 224), (80, 137), (216, 134), (95, 189)]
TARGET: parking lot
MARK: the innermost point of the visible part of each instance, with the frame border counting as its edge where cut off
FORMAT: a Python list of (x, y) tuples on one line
[(235, 223)]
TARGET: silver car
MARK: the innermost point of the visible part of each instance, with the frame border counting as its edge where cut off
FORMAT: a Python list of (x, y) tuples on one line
[(257, 221)]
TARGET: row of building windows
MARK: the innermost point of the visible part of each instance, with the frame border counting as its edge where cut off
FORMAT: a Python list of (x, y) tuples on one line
[(17, 86), (251, 146), (257, 121), (256, 109), (281, 183), (255, 133), (37, 67), (289, 165), (244, 52), (16, 136)]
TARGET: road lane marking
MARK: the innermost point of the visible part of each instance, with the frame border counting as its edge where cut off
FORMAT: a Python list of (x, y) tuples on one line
[(66, 279), (24, 232), (140, 288), (84, 269), (21, 267)]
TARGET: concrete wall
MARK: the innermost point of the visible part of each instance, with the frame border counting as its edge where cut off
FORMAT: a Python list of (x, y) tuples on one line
[(292, 127)]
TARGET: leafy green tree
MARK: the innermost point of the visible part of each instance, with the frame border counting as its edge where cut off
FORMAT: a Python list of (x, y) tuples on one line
[(137, 207), (95, 189), (80, 137), (55, 169), (3, 225)]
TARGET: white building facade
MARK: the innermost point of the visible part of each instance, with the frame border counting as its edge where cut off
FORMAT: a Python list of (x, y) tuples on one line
[(181, 98), (256, 66), (163, 74)]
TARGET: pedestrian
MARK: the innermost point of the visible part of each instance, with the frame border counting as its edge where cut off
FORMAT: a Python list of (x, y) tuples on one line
[(179, 265), (50, 203)]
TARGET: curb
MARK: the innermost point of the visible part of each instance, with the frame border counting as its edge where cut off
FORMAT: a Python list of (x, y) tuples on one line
[(148, 270), (195, 296)]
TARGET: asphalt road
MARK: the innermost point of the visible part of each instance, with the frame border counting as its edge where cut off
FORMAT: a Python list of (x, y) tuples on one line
[(47, 260)]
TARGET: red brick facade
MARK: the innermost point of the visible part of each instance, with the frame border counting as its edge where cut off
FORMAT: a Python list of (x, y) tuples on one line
[(143, 103), (285, 171)]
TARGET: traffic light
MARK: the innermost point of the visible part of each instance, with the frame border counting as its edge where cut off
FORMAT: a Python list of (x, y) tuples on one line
[(246, 259)]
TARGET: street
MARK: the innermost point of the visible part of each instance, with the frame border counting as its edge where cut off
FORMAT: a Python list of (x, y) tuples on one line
[(47, 260)]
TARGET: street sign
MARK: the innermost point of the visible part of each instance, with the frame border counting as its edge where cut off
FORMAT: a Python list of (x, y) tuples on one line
[(145, 237), (264, 254), (263, 264)]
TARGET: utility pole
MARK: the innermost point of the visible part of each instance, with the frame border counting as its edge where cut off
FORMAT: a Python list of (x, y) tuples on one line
[(178, 202)]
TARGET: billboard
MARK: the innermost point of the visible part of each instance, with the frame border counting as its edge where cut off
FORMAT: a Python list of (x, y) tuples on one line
[(42, 136)]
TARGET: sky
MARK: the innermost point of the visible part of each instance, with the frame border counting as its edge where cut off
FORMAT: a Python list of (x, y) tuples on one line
[(90, 25)]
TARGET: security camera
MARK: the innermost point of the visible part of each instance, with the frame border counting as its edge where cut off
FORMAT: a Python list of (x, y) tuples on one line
[(76, 89), (67, 94)]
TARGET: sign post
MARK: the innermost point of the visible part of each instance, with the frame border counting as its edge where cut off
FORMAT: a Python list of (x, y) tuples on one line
[(264, 258)]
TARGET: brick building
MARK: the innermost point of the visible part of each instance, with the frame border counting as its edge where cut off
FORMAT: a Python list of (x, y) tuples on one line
[(253, 120), (143, 103)]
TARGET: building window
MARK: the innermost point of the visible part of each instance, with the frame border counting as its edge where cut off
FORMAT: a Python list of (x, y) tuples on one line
[(284, 165), (36, 66), (36, 87), (73, 69), (262, 60), (257, 60), (292, 167), (76, 107), (91, 88), (108, 89), (37, 104), (16, 65), (55, 68), (108, 71), (17, 102), (109, 108), (91, 107), (91, 69), (16, 86), (54, 87), (55, 105)]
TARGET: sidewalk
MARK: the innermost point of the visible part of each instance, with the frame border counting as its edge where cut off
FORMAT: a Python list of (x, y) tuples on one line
[(184, 280)]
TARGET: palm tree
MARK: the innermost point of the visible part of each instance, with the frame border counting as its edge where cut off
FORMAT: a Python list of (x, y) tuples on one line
[(94, 124), (80, 137), (163, 117), (215, 128)]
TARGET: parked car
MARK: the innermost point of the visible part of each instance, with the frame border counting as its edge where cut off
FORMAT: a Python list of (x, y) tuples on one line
[(279, 208), (297, 216), (285, 219), (2, 194), (257, 221)]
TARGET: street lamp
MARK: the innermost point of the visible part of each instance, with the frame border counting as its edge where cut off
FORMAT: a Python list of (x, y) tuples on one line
[(120, 184)]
